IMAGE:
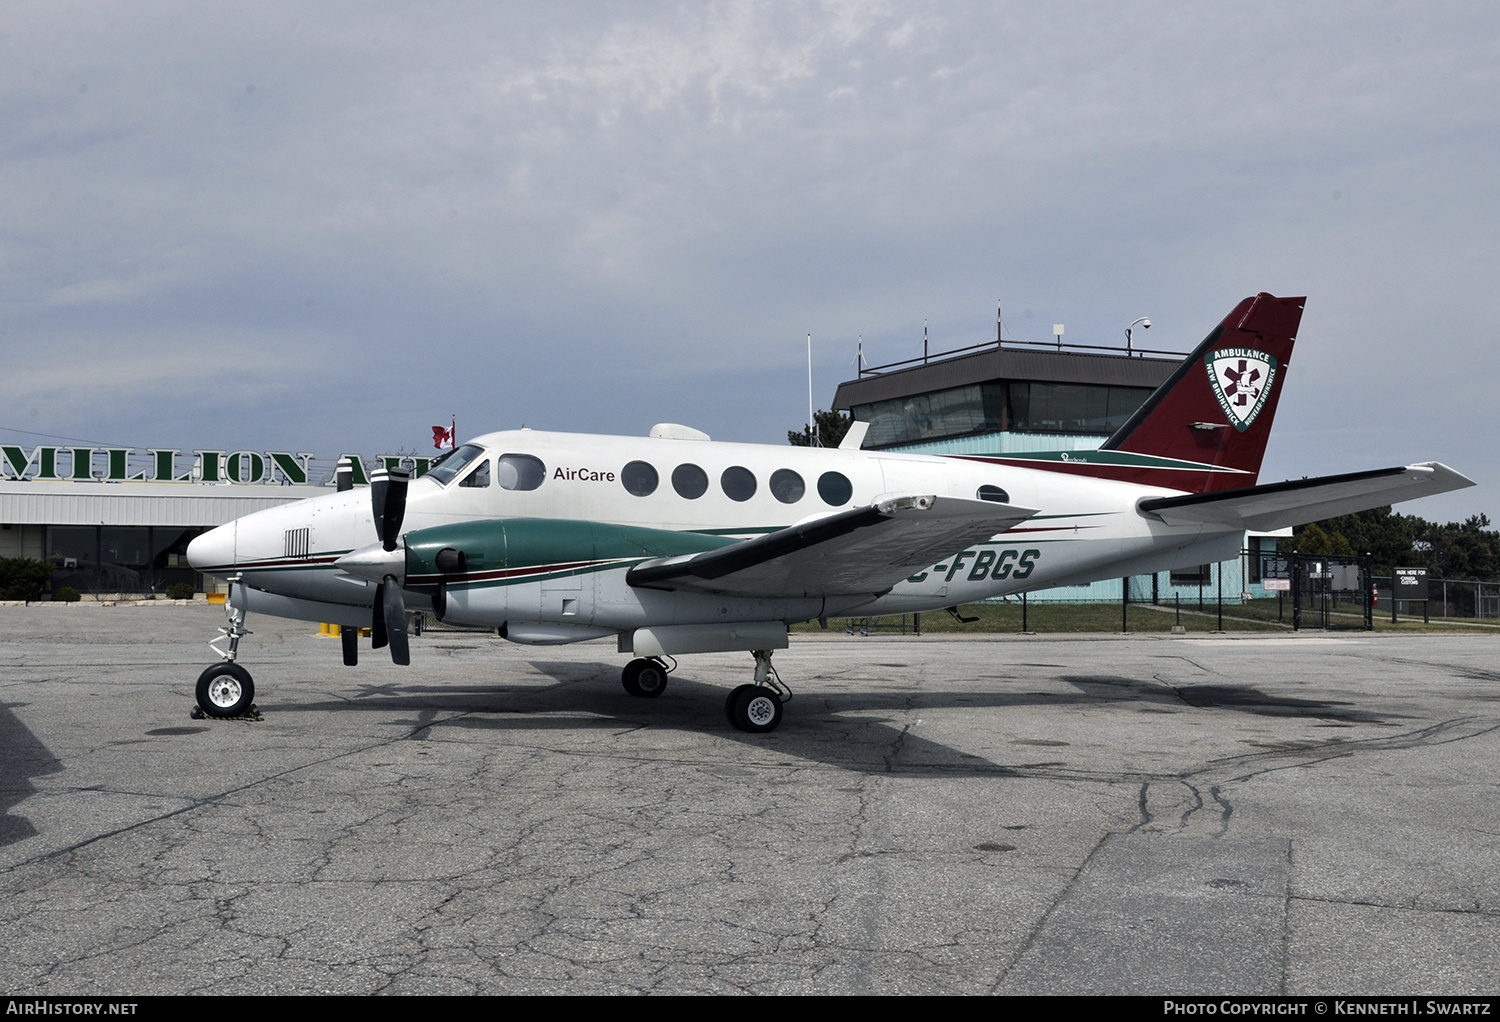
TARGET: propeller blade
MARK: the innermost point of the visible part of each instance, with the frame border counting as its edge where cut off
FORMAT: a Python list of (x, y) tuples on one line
[(388, 503), (395, 621), (350, 637), (378, 636)]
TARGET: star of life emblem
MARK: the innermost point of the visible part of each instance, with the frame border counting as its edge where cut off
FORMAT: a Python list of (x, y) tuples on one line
[(1242, 380)]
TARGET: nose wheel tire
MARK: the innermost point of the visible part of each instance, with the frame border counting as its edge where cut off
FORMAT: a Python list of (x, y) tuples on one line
[(754, 708), (225, 690), (645, 677)]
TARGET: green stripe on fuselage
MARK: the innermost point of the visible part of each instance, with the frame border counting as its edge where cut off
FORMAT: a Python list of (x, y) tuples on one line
[(519, 543)]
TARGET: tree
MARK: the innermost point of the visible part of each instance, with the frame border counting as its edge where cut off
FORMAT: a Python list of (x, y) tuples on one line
[(1462, 550), (1457, 550), (831, 429), (23, 578), (1389, 537), (1315, 540)]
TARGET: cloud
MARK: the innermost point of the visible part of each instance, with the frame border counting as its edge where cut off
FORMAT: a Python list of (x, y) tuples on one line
[(573, 212)]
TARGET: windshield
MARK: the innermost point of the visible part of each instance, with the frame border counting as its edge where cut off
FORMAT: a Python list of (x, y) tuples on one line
[(452, 463)]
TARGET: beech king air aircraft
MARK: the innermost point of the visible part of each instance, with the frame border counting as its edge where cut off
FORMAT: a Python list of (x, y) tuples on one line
[(675, 544)]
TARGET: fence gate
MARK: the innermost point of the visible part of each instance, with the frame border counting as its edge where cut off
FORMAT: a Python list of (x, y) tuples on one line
[(1332, 593)]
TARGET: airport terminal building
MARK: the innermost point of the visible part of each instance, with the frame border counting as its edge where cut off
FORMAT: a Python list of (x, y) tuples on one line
[(115, 520)]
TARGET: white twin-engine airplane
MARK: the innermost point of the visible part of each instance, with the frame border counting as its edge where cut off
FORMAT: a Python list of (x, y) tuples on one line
[(676, 544)]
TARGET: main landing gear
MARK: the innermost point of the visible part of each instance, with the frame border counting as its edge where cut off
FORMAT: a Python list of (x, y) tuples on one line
[(225, 689), (646, 676), (757, 708)]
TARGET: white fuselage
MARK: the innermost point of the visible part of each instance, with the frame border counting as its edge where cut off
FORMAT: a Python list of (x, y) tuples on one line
[(1086, 529)]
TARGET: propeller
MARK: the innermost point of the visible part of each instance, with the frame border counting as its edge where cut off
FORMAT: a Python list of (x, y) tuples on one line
[(388, 504), (388, 501)]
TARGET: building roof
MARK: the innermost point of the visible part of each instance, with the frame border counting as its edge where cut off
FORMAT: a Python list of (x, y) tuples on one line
[(1005, 364)]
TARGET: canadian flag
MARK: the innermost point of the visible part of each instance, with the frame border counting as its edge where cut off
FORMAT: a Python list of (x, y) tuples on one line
[(441, 436)]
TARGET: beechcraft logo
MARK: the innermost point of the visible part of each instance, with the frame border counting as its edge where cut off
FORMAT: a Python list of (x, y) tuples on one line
[(1242, 379)]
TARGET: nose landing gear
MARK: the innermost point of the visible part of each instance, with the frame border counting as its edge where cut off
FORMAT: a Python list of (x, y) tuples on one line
[(225, 689)]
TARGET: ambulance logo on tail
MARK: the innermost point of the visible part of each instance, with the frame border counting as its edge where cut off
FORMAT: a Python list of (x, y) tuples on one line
[(1242, 380)]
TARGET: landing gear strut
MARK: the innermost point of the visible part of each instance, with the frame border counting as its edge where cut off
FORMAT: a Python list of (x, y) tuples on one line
[(757, 708), (225, 689), (645, 677)]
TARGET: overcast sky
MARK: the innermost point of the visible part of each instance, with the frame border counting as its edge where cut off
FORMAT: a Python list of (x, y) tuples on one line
[(325, 227)]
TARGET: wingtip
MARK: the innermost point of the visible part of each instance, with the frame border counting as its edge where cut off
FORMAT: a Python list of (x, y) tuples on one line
[(1444, 477)]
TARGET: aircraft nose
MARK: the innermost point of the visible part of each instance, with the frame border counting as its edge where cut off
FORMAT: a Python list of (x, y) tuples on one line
[(213, 552)]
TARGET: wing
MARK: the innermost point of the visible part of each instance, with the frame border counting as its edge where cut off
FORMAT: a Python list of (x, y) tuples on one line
[(864, 551), (1277, 505)]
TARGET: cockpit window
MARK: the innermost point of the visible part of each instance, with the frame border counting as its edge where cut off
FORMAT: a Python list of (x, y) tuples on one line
[(451, 464), (480, 477), (520, 472)]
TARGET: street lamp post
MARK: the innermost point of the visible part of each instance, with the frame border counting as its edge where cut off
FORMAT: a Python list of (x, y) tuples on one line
[(1145, 325)]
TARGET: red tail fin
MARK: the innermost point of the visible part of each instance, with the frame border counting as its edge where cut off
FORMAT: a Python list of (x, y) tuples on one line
[(1216, 409)]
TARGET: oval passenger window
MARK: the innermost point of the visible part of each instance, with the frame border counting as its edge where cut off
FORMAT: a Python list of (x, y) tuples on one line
[(738, 483), (835, 488), (640, 479), (787, 486), (690, 481), (519, 472), (995, 494)]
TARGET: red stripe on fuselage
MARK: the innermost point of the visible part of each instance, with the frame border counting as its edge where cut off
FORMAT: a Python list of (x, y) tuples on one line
[(1188, 478)]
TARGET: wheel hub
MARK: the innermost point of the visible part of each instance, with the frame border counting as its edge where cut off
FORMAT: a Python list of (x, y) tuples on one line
[(760, 711), (224, 691)]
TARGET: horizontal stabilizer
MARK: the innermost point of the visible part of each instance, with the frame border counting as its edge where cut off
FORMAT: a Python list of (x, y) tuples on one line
[(1299, 501), (864, 551)]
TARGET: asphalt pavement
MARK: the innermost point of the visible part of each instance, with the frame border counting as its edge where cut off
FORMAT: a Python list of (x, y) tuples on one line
[(1239, 814)]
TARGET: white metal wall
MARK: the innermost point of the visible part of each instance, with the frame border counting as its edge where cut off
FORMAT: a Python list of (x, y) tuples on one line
[(184, 504)]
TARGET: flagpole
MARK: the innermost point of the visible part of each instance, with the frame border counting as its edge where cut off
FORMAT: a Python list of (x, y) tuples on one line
[(812, 425)]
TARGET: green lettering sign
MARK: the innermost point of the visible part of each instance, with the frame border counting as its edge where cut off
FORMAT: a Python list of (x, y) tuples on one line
[(210, 463), (290, 470)]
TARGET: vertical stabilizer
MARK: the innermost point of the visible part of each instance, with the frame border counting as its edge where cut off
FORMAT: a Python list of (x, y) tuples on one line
[(1216, 409)]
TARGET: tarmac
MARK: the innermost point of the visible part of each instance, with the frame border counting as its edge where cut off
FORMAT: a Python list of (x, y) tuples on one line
[(1311, 814)]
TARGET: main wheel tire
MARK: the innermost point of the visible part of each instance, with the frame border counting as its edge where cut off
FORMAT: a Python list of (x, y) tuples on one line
[(729, 703), (651, 679), (225, 690), (757, 709), (645, 677)]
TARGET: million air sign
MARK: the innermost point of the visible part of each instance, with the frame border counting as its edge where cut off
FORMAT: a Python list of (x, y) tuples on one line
[(162, 465)]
